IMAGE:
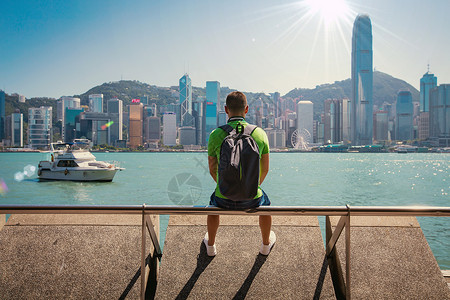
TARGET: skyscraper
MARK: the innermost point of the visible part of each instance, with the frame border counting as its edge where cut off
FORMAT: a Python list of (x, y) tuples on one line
[(185, 100), (2, 115), (404, 120), (440, 115), (305, 117), (96, 103), (213, 93), (362, 82), (115, 112), (427, 82), (17, 129), (210, 118), (169, 129), (136, 124), (39, 127)]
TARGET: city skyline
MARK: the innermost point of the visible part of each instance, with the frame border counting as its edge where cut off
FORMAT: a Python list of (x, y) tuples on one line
[(55, 49)]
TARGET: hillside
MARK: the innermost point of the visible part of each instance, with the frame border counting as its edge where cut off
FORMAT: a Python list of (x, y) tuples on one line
[(385, 89)]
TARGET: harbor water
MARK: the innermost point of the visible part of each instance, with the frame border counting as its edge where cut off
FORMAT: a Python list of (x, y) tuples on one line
[(322, 179)]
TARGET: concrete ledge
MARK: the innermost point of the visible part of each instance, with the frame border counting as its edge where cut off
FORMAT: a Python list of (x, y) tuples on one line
[(2, 221), (75, 261), (293, 270), (226, 220), (73, 219), (391, 259)]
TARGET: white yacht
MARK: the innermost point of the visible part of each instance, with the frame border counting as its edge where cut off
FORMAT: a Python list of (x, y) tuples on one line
[(74, 162)]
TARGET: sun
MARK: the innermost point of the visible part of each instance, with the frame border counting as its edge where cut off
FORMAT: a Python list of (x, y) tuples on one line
[(330, 11)]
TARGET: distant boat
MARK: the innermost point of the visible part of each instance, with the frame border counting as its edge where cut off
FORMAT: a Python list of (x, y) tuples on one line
[(74, 162)]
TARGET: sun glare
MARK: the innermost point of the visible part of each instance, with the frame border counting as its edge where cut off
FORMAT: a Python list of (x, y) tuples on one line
[(329, 10)]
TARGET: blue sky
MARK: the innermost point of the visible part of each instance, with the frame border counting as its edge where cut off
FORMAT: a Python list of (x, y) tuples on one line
[(56, 48)]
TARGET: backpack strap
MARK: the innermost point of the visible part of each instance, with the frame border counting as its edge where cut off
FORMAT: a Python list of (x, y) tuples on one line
[(227, 128), (249, 129)]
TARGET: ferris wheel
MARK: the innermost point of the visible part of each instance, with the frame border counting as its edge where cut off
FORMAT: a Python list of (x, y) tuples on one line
[(300, 139)]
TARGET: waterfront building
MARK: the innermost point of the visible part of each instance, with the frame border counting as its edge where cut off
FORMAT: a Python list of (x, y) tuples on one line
[(404, 119), (277, 138), (185, 86), (440, 115), (39, 127), (187, 135), (70, 126), (136, 119), (152, 129), (198, 113), (427, 82), (305, 117), (14, 129), (96, 103), (115, 112), (213, 93), (380, 126), (332, 120), (210, 118), (221, 118), (362, 82), (2, 115), (345, 120), (64, 103), (94, 126), (169, 129)]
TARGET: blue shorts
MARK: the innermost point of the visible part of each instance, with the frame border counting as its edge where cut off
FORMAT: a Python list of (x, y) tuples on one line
[(236, 205)]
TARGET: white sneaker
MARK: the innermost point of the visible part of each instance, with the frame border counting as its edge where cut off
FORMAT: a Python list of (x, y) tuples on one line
[(265, 249), (210, 250)]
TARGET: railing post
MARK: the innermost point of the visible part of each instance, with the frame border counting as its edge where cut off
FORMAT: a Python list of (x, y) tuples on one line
[(334, 263), (347, 255), (143, 242)]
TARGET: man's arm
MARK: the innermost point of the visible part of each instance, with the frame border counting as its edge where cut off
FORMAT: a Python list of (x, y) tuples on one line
[(212, 163), (264, 166)]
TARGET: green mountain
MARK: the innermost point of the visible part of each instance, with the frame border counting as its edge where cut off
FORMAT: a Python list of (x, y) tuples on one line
[(385, 89)]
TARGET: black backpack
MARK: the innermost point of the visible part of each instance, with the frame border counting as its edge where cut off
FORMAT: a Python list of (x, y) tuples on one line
[(239, 163)]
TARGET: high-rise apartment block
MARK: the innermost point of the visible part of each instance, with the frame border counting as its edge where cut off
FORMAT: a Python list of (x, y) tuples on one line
[(404, 119), (115, 112), (96, 103), (39, 127), (440, 115), (136, 113), (170, 129), (362, 82), (185, 86)]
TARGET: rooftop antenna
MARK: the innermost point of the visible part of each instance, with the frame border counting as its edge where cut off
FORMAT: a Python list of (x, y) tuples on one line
[(428, 67)]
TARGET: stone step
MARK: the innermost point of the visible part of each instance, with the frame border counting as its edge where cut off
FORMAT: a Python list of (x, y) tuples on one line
[(293, 270)]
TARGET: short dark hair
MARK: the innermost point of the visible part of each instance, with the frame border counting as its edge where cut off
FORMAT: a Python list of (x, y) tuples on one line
[(236, 101)]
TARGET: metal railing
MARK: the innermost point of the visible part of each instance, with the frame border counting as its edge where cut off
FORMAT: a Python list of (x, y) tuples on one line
[(342, 289)]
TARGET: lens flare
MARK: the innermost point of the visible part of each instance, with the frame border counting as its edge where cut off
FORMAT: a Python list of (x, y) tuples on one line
[(107, 125), (3, 187)]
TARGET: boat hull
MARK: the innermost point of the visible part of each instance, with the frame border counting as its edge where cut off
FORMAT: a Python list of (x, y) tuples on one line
[(77, 175)]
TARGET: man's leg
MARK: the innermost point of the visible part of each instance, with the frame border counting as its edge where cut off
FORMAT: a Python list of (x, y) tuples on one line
[(265, 223), (213, 225)]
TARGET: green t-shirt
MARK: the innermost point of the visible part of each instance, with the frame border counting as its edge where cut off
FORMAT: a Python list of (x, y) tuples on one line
[(218, 135)]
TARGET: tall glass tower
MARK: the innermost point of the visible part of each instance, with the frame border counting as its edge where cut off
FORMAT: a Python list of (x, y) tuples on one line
[(185, 98), (404, 109), (2, 115), (427, 82), (362, 82)]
